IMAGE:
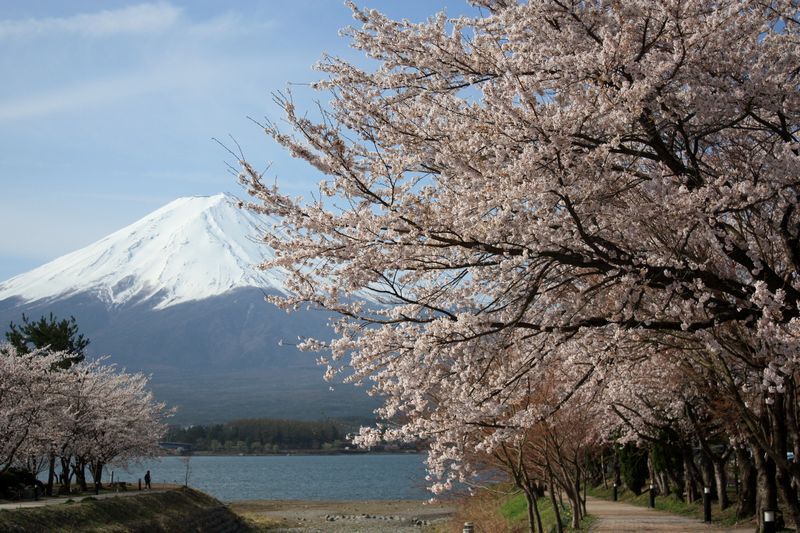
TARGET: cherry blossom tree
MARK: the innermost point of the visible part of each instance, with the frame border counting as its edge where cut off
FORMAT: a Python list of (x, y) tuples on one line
[(127, 422), (86, 414), (538, 186), (658, 406), (109, 416), (28, 400)]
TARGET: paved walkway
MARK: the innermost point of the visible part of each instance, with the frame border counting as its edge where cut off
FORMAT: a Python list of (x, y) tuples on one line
[(620, 517), (55, 501)]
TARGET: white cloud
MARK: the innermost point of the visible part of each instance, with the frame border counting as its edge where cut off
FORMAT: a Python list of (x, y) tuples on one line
[(141, 18), (164, 76), (92, 93), (185, 57)]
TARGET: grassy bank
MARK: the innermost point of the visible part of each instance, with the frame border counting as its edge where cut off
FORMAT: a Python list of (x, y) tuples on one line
[(508, 512), (174, 510), (672, 504)]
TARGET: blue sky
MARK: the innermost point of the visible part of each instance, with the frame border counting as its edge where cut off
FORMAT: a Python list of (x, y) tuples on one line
[(108, 108)]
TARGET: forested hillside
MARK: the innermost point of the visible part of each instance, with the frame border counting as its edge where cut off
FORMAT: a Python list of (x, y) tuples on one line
[(265, 435)]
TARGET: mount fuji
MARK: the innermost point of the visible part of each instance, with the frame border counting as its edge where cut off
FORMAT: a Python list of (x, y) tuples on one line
[(178, 295)]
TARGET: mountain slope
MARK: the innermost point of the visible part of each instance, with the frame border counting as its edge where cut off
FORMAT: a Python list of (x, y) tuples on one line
[(177, 295), (190, 249)]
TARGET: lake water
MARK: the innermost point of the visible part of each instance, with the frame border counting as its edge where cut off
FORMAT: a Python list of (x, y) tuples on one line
[(292, 477)]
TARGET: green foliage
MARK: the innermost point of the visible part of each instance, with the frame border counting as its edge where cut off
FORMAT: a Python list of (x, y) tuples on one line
[(514, 510), (59, 335), (633, 467), (14, 479), (665, 453)]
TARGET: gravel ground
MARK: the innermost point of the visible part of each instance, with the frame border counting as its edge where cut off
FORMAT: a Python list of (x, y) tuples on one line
[(380, 516)]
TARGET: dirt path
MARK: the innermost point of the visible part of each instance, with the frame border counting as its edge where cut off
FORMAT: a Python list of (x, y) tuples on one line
[(44, 500), (384, 516), (620, 517), (55, 500)]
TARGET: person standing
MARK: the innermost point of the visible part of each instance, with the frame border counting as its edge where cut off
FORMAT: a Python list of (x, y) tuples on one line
[(147, 480)]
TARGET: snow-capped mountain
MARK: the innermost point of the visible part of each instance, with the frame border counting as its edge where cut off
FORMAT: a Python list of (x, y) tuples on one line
[(190, 249), (178, 295)]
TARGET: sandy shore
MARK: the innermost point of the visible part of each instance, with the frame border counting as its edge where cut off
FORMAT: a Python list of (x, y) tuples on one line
[(380, 516)]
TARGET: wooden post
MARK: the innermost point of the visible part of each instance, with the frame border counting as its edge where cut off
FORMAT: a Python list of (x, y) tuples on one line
[(140, 484)]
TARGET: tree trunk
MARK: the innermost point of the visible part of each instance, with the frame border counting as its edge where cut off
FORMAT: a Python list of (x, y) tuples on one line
[(554, 502), (651, 472), (793, 431), (663, 483), (583, 500), (789, 495), (97, 473), (80, 474), (534, 519), (747, 488), (690, 488), (51, 473), (676, 477), (766, 488), (603, 469), (708, 474), (721, 479), (577, 514), (66, 475), (575, 502), (779, 438)]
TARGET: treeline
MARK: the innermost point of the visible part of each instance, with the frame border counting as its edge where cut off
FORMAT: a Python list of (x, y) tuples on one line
[(264, 435)]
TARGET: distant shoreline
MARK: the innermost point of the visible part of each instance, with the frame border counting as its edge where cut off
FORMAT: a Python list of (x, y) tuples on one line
[(205, 453)]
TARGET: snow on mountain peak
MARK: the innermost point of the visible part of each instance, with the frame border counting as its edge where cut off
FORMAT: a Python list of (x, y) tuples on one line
[(190, 249)]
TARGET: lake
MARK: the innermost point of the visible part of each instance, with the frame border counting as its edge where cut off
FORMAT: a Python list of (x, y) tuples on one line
[(292, 477)]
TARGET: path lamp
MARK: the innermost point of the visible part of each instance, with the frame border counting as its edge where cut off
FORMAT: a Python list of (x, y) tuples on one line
[(706, 504), (468, 528), (652, 496), (769, 521), (615, 492)]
